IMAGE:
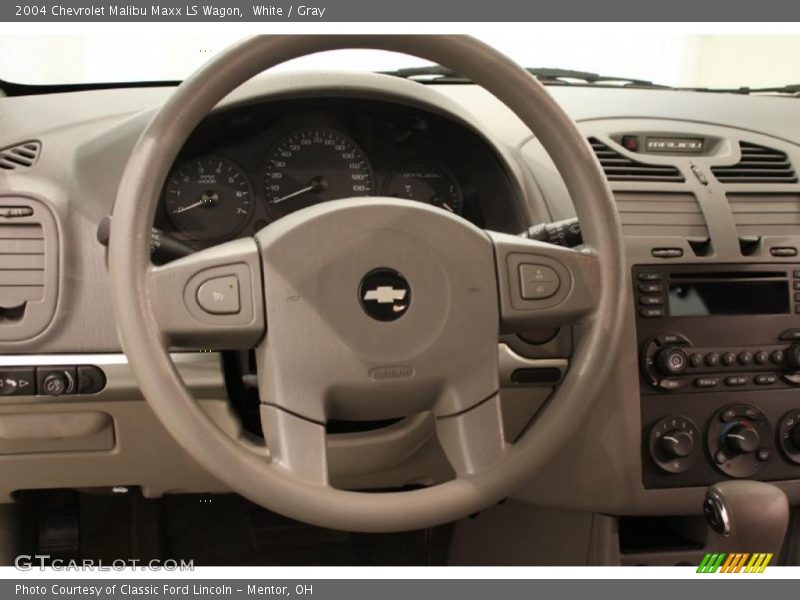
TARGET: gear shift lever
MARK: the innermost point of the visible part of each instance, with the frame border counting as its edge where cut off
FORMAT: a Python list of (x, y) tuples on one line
[(746, 516)]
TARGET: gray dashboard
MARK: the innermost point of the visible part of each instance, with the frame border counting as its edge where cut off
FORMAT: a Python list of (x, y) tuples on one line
[(86, 136)]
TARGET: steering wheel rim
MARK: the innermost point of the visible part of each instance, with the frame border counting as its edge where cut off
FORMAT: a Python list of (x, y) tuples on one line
[(146, 344)]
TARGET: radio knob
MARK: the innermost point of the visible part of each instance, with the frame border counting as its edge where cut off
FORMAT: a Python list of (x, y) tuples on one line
[(793, 357), (671, 360), (741, 438), (677, 443)]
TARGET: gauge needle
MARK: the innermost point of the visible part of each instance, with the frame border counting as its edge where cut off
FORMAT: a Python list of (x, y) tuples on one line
[(183, 209), (316, 184), (438, 201), (208, 198)]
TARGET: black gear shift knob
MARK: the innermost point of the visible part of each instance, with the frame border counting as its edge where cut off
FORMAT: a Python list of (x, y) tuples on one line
[(746, 516)]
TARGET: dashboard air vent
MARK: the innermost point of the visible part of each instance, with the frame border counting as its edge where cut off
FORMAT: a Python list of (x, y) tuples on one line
[(649, 214), (621, 168), (28, 267), (20, 156), (758, 164)]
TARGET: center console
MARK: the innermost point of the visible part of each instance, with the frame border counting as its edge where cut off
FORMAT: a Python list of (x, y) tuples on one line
[(719, 354)]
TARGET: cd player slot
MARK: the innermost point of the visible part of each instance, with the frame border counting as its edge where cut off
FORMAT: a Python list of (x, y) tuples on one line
[(729, 275)]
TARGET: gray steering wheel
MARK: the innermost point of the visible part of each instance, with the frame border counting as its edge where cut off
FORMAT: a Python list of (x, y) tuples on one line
[(367, 309)]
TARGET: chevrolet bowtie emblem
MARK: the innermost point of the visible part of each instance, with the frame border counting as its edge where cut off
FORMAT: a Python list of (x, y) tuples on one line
[(385, 294)]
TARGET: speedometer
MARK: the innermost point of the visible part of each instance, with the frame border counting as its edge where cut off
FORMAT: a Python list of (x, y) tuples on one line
[(314, 165)]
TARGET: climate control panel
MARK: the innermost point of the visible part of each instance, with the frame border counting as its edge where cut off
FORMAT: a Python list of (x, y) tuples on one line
[(703, 439)]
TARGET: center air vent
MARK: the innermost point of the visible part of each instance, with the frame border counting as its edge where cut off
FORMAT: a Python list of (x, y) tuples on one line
[(621, 168), (20, 156), (758, 164)]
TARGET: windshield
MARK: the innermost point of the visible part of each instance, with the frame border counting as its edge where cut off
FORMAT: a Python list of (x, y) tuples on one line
[(708, 61)]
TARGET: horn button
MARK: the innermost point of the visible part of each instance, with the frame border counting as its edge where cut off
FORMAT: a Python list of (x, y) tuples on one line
[(370, 306)]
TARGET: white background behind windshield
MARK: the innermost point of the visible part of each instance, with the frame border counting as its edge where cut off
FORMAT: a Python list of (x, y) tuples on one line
[(666, 58)]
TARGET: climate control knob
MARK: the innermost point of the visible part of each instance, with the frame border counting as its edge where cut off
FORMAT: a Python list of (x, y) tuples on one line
[(677, 443), (673, 443), (671, 360), (789, 435), (741, 437), (739, 440)]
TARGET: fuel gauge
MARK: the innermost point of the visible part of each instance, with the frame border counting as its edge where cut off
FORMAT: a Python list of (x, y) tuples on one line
[(426, 181)]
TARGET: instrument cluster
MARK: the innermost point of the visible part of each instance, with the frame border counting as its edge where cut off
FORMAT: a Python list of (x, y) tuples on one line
[(250, 166)]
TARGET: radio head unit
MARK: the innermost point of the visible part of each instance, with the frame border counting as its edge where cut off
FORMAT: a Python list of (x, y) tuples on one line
[(734, 327)]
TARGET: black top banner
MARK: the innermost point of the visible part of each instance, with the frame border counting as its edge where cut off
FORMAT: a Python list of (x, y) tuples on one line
[(440, 11)]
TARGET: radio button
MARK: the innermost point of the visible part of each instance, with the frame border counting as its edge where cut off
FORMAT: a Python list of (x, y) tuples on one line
[(712, 359), (760, 357), (764, 379), (777, 357), (649, 313), (654, 288), (706, 382), (651, 300), (696, 359), (671, 385), (728, 359), (745, 358), (649, 276), (783, 251), (736, 380), (672, 338)]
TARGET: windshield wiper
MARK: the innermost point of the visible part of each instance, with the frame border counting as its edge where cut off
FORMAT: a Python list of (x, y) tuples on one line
[(792, 89), (9, 88), (440, 74)]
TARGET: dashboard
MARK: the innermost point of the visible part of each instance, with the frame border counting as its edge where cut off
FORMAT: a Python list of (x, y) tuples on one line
[(247, 167), (253, 160)]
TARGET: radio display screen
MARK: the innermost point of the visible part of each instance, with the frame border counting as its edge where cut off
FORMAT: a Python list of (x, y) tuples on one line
[(706, 298)]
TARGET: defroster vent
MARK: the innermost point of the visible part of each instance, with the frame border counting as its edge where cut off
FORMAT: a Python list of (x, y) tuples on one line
[(20, 156)]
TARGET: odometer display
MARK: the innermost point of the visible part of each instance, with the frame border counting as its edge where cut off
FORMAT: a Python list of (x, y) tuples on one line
[(209, 198), (314, 165)]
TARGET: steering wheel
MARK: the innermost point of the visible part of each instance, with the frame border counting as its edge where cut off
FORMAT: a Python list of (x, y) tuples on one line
[(368, 309)]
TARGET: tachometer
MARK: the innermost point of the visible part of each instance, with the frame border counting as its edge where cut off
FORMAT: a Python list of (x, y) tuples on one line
[(426, 181), (209, 198), (314, 165)]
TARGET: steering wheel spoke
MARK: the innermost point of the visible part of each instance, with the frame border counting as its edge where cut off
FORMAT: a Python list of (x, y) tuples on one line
[(544, 285), (296, 444), (473, 440), (211, 299)]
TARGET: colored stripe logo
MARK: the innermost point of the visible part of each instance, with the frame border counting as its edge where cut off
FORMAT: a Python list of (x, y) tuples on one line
[(737, 562)]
